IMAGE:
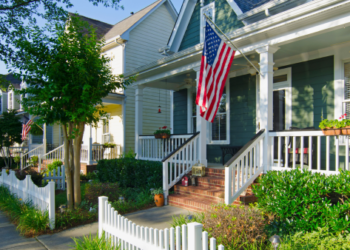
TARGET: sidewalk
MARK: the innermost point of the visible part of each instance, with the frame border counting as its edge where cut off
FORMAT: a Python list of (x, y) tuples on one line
[(157, 217), (11, 240)]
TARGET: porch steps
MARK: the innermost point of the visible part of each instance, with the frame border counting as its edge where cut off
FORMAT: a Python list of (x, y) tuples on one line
[(210, 190)]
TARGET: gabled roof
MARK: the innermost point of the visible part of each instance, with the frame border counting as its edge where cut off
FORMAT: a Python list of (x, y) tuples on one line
[(15, 82), (123, 26), (247, 5), (101, 27)]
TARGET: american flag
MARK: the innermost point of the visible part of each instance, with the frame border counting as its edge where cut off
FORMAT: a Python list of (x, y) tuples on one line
[(216, 62), (25, 129)]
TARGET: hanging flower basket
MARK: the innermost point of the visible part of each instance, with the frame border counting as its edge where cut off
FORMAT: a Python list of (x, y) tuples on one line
[(336, 127), (36, 129), (162, 133)]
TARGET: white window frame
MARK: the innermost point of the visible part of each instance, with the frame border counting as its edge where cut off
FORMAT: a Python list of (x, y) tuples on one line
[(227, 141), (287, 86), (340, 95), (206, 9), (106, 117), (10, 100), (190, 92)]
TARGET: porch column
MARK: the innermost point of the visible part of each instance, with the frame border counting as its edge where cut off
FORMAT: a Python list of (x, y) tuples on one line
[(202, 127), (266, 100), (138, 118), (90, 146), (124, 131), (44, 138)]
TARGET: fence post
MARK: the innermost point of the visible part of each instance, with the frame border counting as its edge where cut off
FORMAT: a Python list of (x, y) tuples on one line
[(101, 214), (165, 182), (52, 204), (26, 198), (195, 236)]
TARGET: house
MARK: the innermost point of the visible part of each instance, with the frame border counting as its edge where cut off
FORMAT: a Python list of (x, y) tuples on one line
[(130, 43), (301, 49)]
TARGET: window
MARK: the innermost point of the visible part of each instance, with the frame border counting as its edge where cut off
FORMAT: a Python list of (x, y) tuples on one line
[(346, 88), (106, 136), (209, 10), (219, 126)]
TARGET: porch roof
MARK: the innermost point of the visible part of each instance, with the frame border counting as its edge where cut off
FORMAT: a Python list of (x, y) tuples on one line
[(279, 30)]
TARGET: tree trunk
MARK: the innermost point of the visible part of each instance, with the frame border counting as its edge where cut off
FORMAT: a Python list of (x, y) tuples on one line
[(68, 168), (77, 152)]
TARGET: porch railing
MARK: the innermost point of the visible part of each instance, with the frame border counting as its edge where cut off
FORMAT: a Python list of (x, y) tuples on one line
[(38, 151), (180, 162), (13, 151), (56, 154), (244, 167), (309, 150), (157, 149), (98, 152)]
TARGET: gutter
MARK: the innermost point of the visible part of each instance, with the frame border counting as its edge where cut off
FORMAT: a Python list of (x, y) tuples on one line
[(245, 32)]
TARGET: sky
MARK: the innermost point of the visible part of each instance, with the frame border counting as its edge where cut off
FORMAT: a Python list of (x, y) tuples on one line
[(108, 15)]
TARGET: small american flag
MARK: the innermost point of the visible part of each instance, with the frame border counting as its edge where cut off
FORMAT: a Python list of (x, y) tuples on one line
[(25, 129), (216, 62)]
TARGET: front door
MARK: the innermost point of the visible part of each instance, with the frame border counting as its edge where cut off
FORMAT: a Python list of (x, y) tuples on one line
[(281, 107)]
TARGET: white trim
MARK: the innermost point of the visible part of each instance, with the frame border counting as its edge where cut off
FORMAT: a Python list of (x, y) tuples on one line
[(172, 111), (227, 141), (235, 7), (257, 112), (189, 111), (206, 9), (181, 25), (260, 8), (287, 86)]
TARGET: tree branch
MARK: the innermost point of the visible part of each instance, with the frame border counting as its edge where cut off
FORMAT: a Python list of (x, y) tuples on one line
[(2, 8)]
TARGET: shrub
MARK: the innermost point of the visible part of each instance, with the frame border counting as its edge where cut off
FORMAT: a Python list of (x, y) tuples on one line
[(75, 217), (302, 201), (235, 226), (129, 172), (89, 243), (37, 178), (318, 239), (54, 165), (88, 176), (94, 190)]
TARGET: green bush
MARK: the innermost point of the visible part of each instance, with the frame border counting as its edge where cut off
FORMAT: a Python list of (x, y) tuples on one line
[(89, 243), (236, 226), (37, 178), (29, 219), (88, 176), (318, 239), (94, 190), (54, 166), (129, 172), (302, 201)]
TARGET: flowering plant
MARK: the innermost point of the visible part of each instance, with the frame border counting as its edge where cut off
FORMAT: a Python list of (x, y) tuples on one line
[(334, 124), (162, 130)]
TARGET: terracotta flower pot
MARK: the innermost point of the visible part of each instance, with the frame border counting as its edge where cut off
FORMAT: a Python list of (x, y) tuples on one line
[(158, 136), (331, 131), (159, 200), (165, 136), (346, 130)]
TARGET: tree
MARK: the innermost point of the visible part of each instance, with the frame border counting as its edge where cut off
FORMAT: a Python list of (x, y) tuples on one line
[(10, 133), (19, 20), (66, 83)]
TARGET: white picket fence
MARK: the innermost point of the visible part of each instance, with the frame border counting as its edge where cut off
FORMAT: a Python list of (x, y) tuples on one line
[(41, 197), (58, 176), (126, 234)]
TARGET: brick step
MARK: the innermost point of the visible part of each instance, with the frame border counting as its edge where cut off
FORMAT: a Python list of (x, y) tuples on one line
[(210, 182), (189, 202), (216, 194)]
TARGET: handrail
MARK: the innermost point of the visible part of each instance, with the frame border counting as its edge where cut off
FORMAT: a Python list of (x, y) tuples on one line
[(26, 156), (56, 149), (179, 147), (242, 150), (171, 134)]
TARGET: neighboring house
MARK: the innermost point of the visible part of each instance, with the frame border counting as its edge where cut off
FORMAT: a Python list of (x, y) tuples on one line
[(130, 43), (301, 48)]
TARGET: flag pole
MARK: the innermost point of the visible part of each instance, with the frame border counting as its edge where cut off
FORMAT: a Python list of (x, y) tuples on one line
[(232, 43)]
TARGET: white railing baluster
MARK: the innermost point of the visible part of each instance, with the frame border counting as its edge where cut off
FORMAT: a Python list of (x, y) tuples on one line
[(302, 152), (294, 147), (347, 152), (337, 153), (279, 151), (286, 163), (327, 153), (318, 152), (309, 151)]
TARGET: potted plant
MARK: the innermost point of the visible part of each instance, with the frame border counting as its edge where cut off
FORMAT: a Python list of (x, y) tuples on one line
[(162, 133), (109, 145), (345, 125), (330, 127), (158, 196)]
